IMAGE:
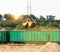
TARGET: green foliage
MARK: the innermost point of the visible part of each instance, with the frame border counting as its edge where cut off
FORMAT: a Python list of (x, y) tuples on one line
[(59, 24), (20, 26), (50, 17), (9, 17), (42, 18), (34, 17), (42, 23), (55, 24), (10, 23), (1, 17)]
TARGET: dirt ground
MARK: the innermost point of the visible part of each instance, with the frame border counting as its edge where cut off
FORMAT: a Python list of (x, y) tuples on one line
[(48, 47), (19, 48)]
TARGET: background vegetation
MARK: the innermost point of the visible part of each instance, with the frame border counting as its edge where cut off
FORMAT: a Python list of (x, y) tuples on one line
[(9, 22)]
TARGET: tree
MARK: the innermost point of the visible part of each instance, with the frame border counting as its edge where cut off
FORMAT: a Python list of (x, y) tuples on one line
[(20, 26), (9, 17), (55, 24), (13, 24), (49, 23), (42, 23), (1, 17), (50, 17), (59, 24), (6, 16), (8, 23), (34, 17), (42, 18)]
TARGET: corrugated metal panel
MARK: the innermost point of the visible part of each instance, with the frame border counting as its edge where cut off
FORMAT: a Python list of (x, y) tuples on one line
[(3, 36), (12, 36), (55, 36), (34, 36), (43, 36)]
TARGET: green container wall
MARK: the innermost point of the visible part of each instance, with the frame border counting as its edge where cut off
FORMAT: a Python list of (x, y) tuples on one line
[(15, 36), (55, 36), (3, 36), (28, 36), (34, 36)]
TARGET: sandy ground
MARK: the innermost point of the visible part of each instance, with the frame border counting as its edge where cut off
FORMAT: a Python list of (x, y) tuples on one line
[(48, 47), (19, 48)]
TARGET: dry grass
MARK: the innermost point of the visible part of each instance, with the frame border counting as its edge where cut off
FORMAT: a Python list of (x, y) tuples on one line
[(42, 28)]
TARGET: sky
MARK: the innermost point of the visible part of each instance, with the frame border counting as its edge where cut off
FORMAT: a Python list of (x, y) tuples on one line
[(38, 7)]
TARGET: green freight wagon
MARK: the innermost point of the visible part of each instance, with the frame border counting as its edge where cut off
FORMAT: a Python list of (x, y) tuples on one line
[(3, 36), (34, 36), (55, 36)]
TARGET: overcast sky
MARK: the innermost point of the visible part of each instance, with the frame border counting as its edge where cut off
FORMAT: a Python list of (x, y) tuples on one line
[(39, 7)]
